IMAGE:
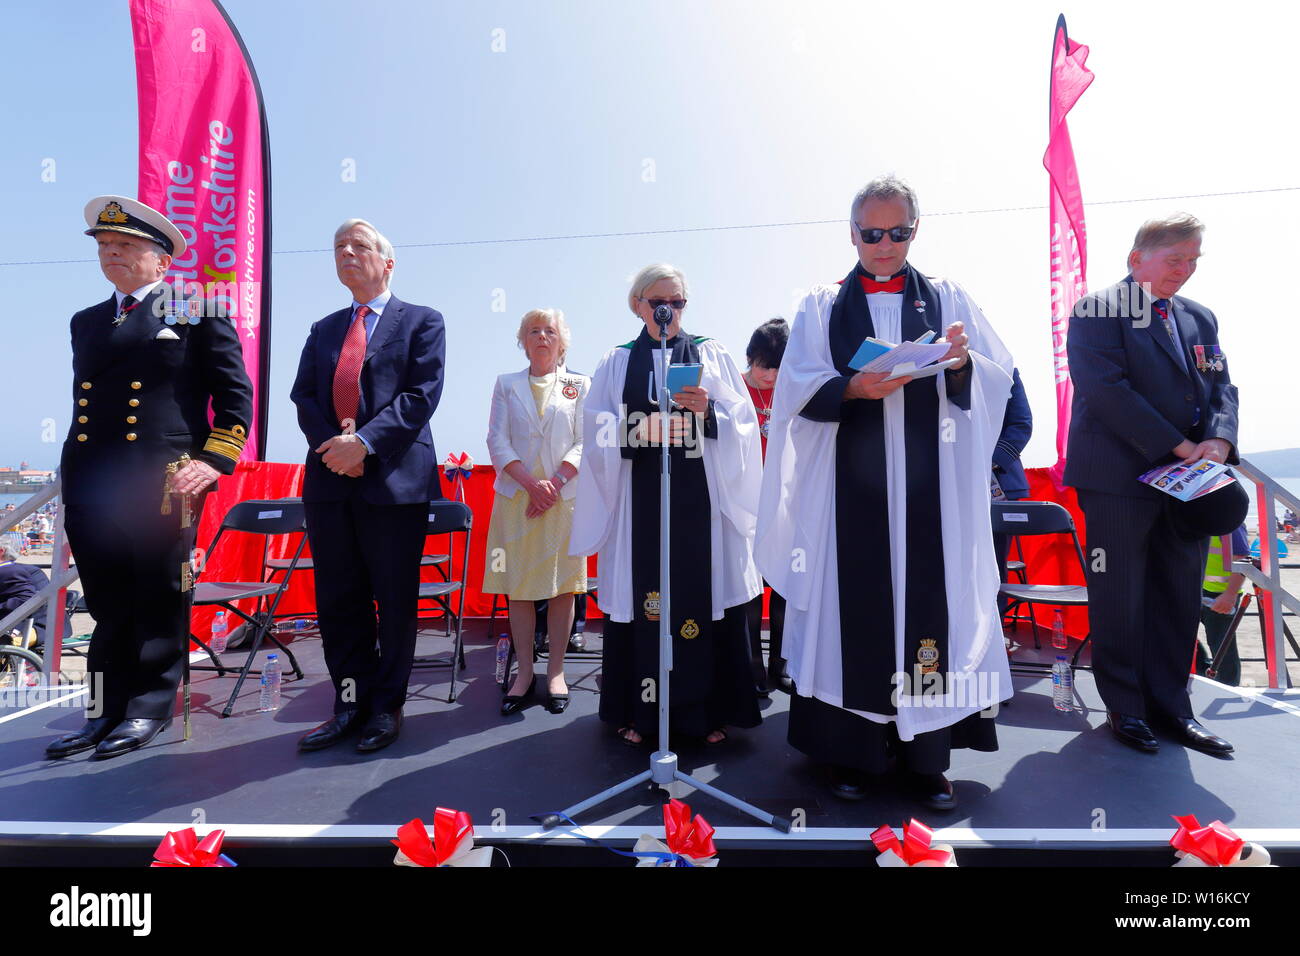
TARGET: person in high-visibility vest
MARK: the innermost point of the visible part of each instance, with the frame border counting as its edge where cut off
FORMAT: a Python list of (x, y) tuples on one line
[(1219, 603)]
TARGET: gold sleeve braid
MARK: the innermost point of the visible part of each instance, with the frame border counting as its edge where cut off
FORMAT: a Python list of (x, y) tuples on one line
[(227, 442)]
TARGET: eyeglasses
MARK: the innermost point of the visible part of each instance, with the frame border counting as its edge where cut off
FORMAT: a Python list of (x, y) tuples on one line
[(677, 304), (897, 234)]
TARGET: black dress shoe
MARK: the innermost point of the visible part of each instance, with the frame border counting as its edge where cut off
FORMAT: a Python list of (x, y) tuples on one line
[(513, 703), (1188, 732), (131, 734), (847, 783), (780, 680), (557, 703), (94, 730), (1133, 731), (380, 731), (934, 791), (332, 731)]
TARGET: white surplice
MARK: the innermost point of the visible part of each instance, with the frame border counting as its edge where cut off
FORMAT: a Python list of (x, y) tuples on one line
[(797, 535), (733, 465)]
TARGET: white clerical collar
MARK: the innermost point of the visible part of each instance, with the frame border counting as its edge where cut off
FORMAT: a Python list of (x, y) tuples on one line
[(138, 294)]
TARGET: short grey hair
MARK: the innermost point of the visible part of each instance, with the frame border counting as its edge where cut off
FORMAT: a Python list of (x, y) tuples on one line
[(887, 188), (555, 317), (385, 247), (1166, 231), (649, 276), (8, 552)]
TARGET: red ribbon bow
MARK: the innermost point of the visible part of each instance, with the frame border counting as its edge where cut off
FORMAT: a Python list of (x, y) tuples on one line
[(183, 848), (1214, 844), (914, 847), (450, 829), (684, 836)]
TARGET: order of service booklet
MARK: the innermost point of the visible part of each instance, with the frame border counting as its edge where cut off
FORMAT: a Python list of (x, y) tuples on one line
[(1186, 482)]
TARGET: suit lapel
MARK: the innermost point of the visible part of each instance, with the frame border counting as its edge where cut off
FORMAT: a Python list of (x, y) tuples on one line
[(332, 336), (141, 325), (93, 350), (1188, 331), (555, 398), (1156, 329), (387, 324), (524, 389), (107, 344)]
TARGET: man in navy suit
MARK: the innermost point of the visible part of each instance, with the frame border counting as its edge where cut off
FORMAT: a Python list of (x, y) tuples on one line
[(1151, 387), (368, 382)]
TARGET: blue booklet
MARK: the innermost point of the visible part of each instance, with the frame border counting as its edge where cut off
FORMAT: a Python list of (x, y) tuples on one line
[(679, 376)]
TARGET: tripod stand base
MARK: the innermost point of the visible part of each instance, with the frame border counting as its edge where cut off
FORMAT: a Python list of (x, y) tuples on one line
[(663, 770)]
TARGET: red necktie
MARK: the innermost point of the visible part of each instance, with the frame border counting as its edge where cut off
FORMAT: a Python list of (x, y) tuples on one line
[(870, 285), (347, 374)]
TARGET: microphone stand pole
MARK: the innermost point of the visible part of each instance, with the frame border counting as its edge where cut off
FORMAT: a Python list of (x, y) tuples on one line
[(663, 762)]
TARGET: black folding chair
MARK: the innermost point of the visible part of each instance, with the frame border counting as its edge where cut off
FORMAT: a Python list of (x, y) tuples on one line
[(1026, 518), (449, 518), (278, 516), (274, 566), (1017, 611)]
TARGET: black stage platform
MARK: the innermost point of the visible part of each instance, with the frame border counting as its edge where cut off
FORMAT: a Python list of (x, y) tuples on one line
[(1060, 791)]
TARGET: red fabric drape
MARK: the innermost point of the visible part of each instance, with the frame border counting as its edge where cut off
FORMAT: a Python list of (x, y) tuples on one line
[(239, 556), (1049, 560)]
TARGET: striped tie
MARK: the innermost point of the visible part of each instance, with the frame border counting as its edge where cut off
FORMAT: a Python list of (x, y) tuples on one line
[(347, 374), (1162, 310)]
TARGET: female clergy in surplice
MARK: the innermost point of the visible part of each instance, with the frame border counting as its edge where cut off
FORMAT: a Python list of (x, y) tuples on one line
[(874, 520), (716, 469)]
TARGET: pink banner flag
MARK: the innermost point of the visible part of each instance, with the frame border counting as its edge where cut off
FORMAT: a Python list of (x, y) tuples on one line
[(205, 164), (1069, 238)]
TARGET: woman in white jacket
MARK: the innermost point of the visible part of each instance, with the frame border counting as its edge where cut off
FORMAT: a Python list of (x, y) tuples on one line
[(535, 440)]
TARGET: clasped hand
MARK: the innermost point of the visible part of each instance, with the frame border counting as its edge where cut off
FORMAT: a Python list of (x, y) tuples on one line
[(542, 494), (193, 477), (344, 455)]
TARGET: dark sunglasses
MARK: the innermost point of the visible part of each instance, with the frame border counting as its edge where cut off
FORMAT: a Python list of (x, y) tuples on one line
[(897, 234), (677, 304)]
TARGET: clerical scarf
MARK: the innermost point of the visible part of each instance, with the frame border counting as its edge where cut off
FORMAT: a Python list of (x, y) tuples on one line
[(865, 552), (690, 562)]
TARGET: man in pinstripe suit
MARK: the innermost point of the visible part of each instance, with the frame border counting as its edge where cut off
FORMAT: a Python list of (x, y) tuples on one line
[(1151, 387)]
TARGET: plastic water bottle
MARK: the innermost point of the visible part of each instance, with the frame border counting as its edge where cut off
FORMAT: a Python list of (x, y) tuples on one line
[(1062, 684), (269, 699), (503, 657), (219, 633), (1059, 640)]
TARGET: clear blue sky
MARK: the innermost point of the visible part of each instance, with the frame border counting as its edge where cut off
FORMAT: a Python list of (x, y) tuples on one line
[(746, 113)]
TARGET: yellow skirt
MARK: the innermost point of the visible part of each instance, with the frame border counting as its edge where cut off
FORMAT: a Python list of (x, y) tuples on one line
[(528, 558)]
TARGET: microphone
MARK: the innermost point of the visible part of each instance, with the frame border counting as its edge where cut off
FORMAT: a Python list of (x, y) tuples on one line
[(663, 315)]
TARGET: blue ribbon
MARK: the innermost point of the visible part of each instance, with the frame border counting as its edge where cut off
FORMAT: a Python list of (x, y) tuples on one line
[(676, 858)]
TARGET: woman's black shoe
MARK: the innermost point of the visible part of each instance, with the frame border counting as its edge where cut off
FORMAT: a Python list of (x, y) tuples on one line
[(512, 703), (557, 703)]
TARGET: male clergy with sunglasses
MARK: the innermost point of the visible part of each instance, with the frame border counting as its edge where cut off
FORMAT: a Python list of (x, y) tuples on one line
[(368, 382), (874, 518)]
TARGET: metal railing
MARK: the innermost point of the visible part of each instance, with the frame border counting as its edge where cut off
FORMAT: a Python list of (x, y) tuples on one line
[(54, 594), (1273, 597)]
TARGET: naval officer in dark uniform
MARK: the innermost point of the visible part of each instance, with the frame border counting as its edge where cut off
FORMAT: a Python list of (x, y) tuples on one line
[(138, 459)]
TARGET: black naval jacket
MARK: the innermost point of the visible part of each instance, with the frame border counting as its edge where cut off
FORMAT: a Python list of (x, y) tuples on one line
[(144, 399)]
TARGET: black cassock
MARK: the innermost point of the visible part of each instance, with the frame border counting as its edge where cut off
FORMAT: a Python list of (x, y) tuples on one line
[(711, 683)]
